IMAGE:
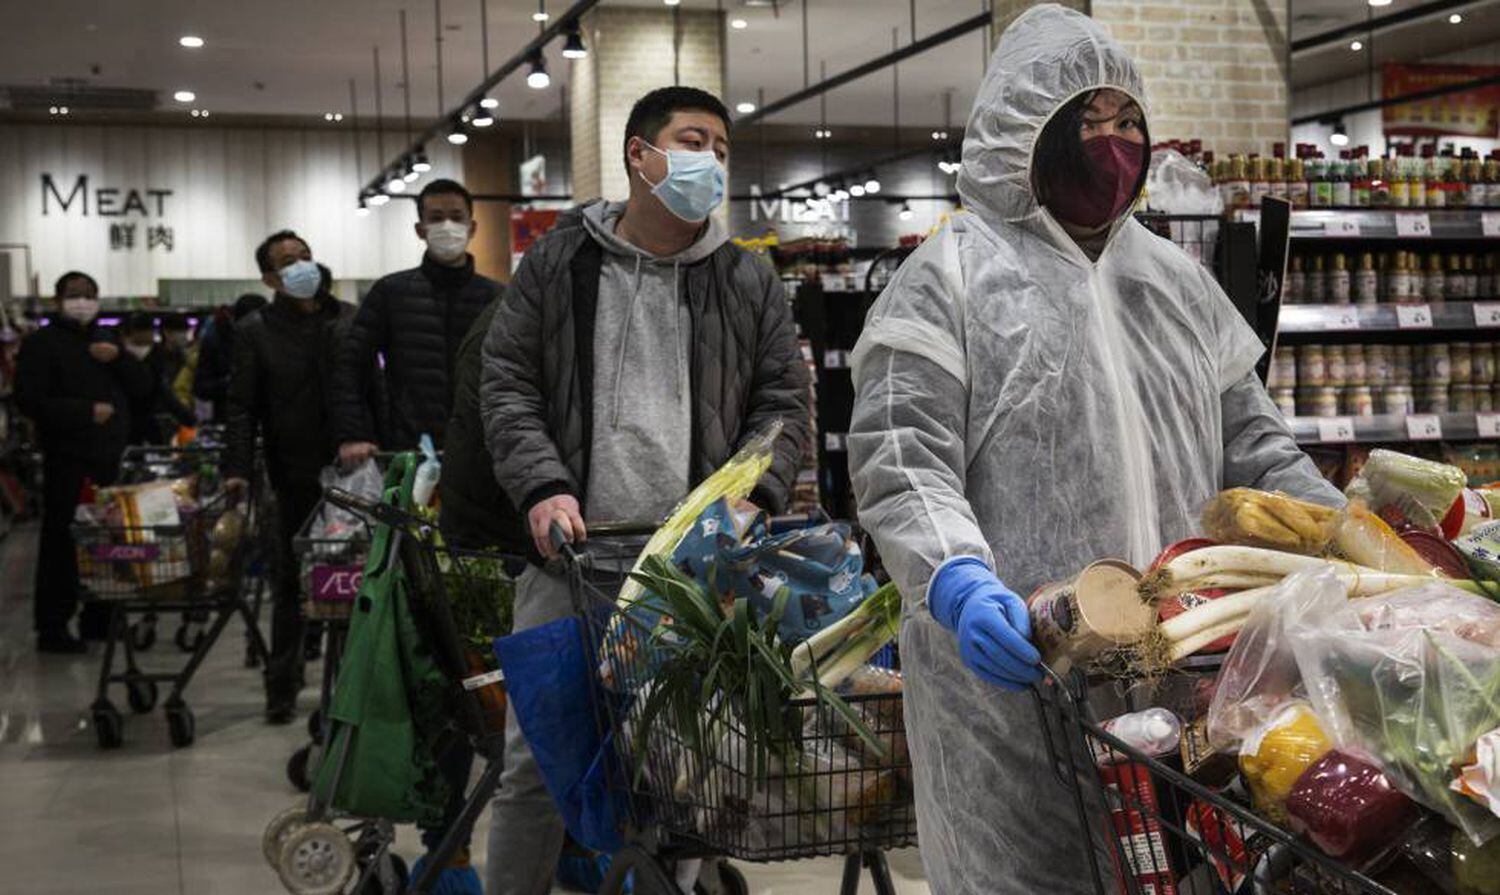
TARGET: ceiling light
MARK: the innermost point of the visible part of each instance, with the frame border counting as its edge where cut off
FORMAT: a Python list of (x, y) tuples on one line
[(411, 172), (1455, 19), (573, 47), (489, 102), (338, 116), (379, 199), (905, 213), (739, 24), (820, 189), (458, 138), (184, 96), (395, 184), (420, 164), (872, 186), (745, 108), (671, 2), (541, 12), (538, 79), (481, 117), (1380, 2), (822, 133), (190, 41), (857, 191), (1356, 46), (362, 210), (1339, 137)]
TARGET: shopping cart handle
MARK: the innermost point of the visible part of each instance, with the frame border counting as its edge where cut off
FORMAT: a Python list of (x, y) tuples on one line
[(560, 542)]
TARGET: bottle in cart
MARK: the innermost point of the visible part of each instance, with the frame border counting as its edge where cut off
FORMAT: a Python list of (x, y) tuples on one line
[(1366, 281), (1339, 280)]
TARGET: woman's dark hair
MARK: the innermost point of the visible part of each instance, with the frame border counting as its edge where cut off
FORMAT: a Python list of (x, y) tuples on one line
[(1059, 151)]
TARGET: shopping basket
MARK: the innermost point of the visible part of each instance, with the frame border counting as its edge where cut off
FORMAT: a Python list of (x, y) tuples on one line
[(320, 846), (1153, 830), (825, 791), (143, 553)]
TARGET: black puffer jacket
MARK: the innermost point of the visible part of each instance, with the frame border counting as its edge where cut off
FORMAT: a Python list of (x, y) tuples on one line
[(57, 384), (415, 319), (283, 363), (536, 390)]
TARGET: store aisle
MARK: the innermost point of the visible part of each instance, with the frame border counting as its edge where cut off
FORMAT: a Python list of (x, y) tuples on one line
[(153, 820)]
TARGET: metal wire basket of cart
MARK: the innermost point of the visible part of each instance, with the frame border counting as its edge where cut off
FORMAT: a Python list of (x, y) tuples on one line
[(1154, 829), (456, 606), (169, 544), (712, 788)]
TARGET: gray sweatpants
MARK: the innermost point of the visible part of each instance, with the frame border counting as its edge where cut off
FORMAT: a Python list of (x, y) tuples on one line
[(526, 831)]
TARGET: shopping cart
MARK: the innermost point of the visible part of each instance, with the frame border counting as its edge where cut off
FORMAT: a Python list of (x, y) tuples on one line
[(316, 847), (1153, 829), (838, 797), (193, 564)]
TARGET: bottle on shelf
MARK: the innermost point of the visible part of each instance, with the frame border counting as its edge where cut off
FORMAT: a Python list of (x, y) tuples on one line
[(1399, 172), (1453, 283), (1366, 281), (1454, 185), (1260, 185), (1471, 278), (1339, 280), (1421, 179), (1491, 180), (1380, 189), (1434, 283), (1487, 288), (1292, 291), (1315, 290), (1320, 183), (1399, 287), (1276, 172), (1237, 184), (1473, 179), (1296, 183), (1340, 182)]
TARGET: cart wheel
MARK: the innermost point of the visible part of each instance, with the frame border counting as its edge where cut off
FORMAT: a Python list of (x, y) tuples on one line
[(280, 827), (143, 634), (731, 880), (181, 726), (315, 726), (141, 695), (189, 637), (633, 869), (316, 859), (375, 885), (297, 769), (109, 727)]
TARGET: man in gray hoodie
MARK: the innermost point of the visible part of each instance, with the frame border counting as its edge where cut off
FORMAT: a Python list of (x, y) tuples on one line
[(634, 351)]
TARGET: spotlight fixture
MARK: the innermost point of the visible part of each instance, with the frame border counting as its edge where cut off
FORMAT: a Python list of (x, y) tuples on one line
[(939, 135), (538, 79), (820, 189), (745, 108), (541, 12), (739, 24), (905, 213), (489, 102), (184, 96), (420, 164), (411, 171), (192, 42), (857, 191), (671, 2), (872, 186), (395, 184), (822, 133), (333, 116), (1356, 46), (457, 137), (379, 199), (1339, 137), (1380, 2), (363, 209), (481, 118), (63, 110), (573, 47), (1455, 19)]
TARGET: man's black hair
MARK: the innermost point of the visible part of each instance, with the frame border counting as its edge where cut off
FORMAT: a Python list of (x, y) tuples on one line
[(135, 322), (65, 279), (263, 251), (444, 187), (248, 304), (174, 323), (1059, 153), (654, 111)]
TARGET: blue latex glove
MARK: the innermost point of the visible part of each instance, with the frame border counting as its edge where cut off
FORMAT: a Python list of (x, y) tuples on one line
[(991, 622)]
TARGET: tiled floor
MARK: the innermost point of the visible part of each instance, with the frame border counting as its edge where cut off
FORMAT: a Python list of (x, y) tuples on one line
[(148, 819)]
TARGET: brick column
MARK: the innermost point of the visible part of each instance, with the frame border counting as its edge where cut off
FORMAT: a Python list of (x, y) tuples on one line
[(1214, 69), (630, 54)]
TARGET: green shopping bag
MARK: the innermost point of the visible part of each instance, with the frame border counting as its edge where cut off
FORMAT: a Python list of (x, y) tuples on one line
[(381, 752)]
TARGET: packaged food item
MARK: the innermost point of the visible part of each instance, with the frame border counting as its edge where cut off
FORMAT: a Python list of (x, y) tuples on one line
[(1348, 807), (1322, 402), (1312, 366), (1479, 778), (1338, 365), (1134, 822), (1378, 365), (1397, 399), (1359, 400), (1286, 400), (1433, 398), (1264, 519), (1201, 760), (1273, 757), (1339, 285), (1081, 619), (1461, 363), (1462, 399), (1407, 490)]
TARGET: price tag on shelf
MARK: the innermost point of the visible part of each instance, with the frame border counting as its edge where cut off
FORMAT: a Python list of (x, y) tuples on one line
[(1341, 317), (1414, 316), (1488, 424), (1489, 223), (1336, 430), (1413, 223), (1424, 427), (1341, 227), (1487, 314)]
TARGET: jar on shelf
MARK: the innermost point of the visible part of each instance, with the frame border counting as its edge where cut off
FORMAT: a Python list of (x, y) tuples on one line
[(1356, 370), (1461, 363), (1283, 372), (1295, 287), (1286, 400), (1318, 401), (1432, 399), (1312, 366), (1338, 369), (1483, 361), (1378, 365), (1436, 368), (1484, 399), (1461, 399), (1397, 399), (1453, 283), (1359, 401), (1403, 365)]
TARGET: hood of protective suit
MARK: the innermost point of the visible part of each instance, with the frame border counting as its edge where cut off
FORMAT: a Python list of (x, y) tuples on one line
[(1048, 56)]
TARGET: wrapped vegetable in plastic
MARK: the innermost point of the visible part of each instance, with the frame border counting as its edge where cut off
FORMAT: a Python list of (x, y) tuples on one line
[(1366, 539), (1273, 758), (1263, 519), (1348, 807), (1408, 489)]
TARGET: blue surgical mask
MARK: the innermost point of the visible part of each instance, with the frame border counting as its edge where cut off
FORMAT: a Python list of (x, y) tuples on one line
[(694, 185), (301, 279)]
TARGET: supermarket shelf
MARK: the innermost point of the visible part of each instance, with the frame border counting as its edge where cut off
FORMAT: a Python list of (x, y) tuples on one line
[(1453, 316), (1395, 428), (1389, 223)]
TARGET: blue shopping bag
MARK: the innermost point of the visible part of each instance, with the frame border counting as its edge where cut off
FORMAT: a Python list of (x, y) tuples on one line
[(547, 678)]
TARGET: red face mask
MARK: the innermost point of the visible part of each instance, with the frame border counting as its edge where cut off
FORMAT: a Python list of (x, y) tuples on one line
[(1116, 164)]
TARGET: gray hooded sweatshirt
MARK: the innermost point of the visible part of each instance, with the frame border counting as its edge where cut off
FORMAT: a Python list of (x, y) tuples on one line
[(642, 439)]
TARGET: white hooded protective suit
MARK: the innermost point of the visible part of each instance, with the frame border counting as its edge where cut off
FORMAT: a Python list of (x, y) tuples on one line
[(1018, 402)]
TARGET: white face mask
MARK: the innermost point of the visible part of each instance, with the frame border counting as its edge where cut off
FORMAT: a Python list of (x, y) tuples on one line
[(81, 310), (447, 240), (138, 352)]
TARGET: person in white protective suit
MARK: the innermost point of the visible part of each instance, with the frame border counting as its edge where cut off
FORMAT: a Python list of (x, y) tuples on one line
[(1043, 384)]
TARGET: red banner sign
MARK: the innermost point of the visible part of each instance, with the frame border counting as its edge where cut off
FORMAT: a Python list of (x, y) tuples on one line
[(1473, 113)]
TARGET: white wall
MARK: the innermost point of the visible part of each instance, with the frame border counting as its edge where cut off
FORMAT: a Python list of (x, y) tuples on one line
[(230, 188)]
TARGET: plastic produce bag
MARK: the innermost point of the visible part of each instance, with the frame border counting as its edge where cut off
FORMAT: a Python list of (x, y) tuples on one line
[(1348, 807), (1177, 186), (337, 524), (1408, 490), (1412, 679), (1275, 755), (428, 473), (1271, 520)]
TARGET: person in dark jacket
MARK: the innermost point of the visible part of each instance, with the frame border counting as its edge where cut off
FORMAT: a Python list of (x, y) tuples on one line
[(279, 387), (415, 320), (138, 338), (633, 353), (76, 384), (216, 352)]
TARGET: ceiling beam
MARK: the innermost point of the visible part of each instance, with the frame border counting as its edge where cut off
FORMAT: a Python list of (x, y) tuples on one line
[(914, 48), (1381, 23)]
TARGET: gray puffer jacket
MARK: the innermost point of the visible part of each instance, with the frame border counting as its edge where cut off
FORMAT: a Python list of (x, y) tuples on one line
[(536, 388)]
